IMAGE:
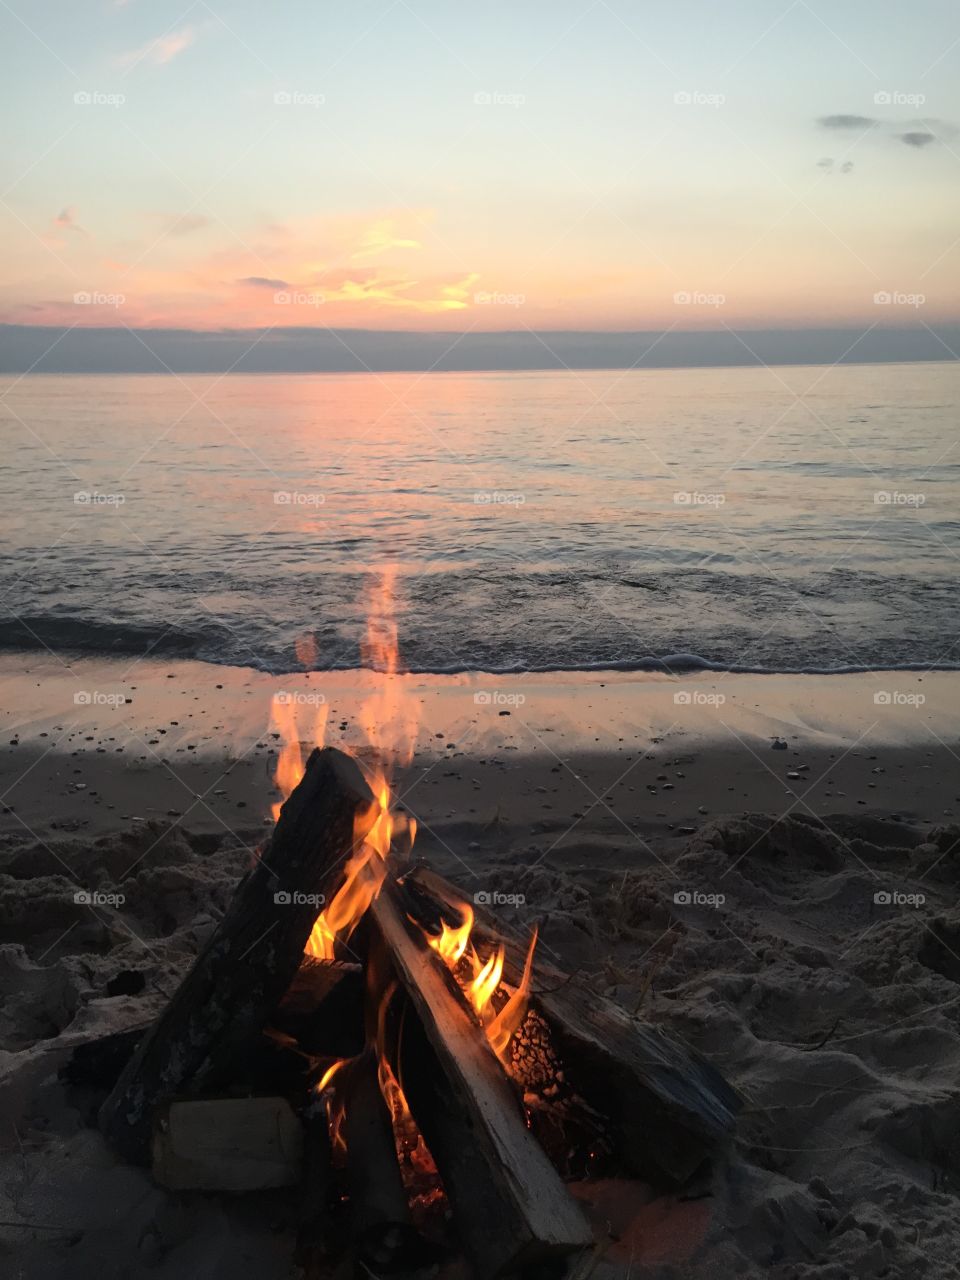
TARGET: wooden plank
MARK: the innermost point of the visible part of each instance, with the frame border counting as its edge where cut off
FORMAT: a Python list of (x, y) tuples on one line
[(668, 1108), (237, 981), (228, 1144), (509, 1203)]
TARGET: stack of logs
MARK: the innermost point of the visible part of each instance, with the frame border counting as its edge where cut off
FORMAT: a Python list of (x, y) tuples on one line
[(658, 1109)]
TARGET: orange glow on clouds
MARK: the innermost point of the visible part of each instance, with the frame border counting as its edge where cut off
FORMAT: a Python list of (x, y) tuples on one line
[(196, 273)]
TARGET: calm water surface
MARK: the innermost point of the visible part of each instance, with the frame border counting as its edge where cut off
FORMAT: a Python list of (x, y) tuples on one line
[(787, 518)]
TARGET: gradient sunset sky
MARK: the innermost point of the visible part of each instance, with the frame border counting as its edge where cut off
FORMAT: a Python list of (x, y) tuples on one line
[(418, 164)]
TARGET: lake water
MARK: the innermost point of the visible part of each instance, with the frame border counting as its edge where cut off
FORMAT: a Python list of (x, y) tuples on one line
[(792, 518)]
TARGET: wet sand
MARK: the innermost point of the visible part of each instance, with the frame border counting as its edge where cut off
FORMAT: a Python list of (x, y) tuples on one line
[(98, 745)]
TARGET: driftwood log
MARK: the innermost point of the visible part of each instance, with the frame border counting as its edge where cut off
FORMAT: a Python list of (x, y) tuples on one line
[(510, 1206), (667, 1108), (240, 976)]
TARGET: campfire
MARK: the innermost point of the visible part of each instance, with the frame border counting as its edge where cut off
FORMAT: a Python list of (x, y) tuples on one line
[(438, 1086)]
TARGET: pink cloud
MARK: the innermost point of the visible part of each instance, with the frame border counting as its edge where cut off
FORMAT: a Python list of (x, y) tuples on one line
[(160, 50)]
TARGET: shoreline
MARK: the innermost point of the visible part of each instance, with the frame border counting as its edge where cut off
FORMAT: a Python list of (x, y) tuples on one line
[(194, 744)]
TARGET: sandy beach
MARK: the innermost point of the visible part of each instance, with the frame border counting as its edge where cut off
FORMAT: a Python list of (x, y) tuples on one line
[(764, 865)]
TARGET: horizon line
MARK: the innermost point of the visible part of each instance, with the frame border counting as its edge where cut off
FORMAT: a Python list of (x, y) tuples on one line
[(76, 349)]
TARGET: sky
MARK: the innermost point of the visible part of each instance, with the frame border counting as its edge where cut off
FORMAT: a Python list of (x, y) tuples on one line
[(435, 166)]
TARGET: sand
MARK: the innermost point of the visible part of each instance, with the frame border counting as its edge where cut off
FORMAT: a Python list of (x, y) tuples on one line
[(801, 931)]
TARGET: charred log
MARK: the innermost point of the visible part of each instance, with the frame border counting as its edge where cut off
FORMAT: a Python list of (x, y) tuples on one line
[(239, 978), (323, 1007)]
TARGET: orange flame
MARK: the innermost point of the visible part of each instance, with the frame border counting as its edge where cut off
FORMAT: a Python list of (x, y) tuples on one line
[(284, 720), (452, 944), (389, 718), (390, 724), (409, 1139), (486, 981), (336, 1110), (505, 1025)]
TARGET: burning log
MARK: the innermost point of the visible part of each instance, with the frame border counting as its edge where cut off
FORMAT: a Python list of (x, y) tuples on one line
[(668, 1108), (323, 1008), (239, 978), (376, 1186), (509, 1203)]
